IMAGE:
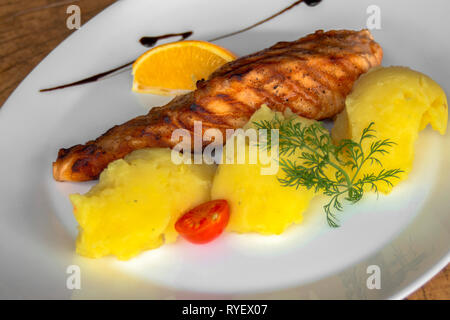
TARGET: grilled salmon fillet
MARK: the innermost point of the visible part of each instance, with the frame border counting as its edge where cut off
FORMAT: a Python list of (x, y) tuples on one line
[(311, 76)]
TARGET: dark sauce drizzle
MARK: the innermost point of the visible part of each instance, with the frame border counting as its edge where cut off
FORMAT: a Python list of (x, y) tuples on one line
[(310, 3), (145, 41), (151, 41), (89, 79)]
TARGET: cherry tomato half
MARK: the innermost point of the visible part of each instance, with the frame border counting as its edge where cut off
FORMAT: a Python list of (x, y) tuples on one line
[(205, 222)]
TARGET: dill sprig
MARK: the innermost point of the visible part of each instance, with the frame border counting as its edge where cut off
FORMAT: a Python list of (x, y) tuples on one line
[(315, 154)]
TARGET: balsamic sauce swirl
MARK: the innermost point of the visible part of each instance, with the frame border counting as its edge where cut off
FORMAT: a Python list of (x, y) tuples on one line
[(153, 40)]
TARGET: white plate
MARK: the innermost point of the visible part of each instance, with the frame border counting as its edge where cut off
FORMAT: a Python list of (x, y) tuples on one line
[(405, 234)]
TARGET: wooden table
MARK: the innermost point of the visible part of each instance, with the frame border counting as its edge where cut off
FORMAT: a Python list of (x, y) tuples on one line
[(30, 29)]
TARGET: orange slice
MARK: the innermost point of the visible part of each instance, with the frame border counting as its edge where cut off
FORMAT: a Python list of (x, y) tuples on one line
[(175, 67)]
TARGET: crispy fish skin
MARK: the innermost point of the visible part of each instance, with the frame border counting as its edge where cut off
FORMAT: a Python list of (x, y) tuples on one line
[(311, 76)]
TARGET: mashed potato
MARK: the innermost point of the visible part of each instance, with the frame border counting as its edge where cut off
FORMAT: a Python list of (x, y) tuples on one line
[(136, 203), (259, 203), (400, 102)]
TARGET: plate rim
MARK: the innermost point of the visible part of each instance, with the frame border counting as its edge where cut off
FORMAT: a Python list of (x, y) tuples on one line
[(401, 294)]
